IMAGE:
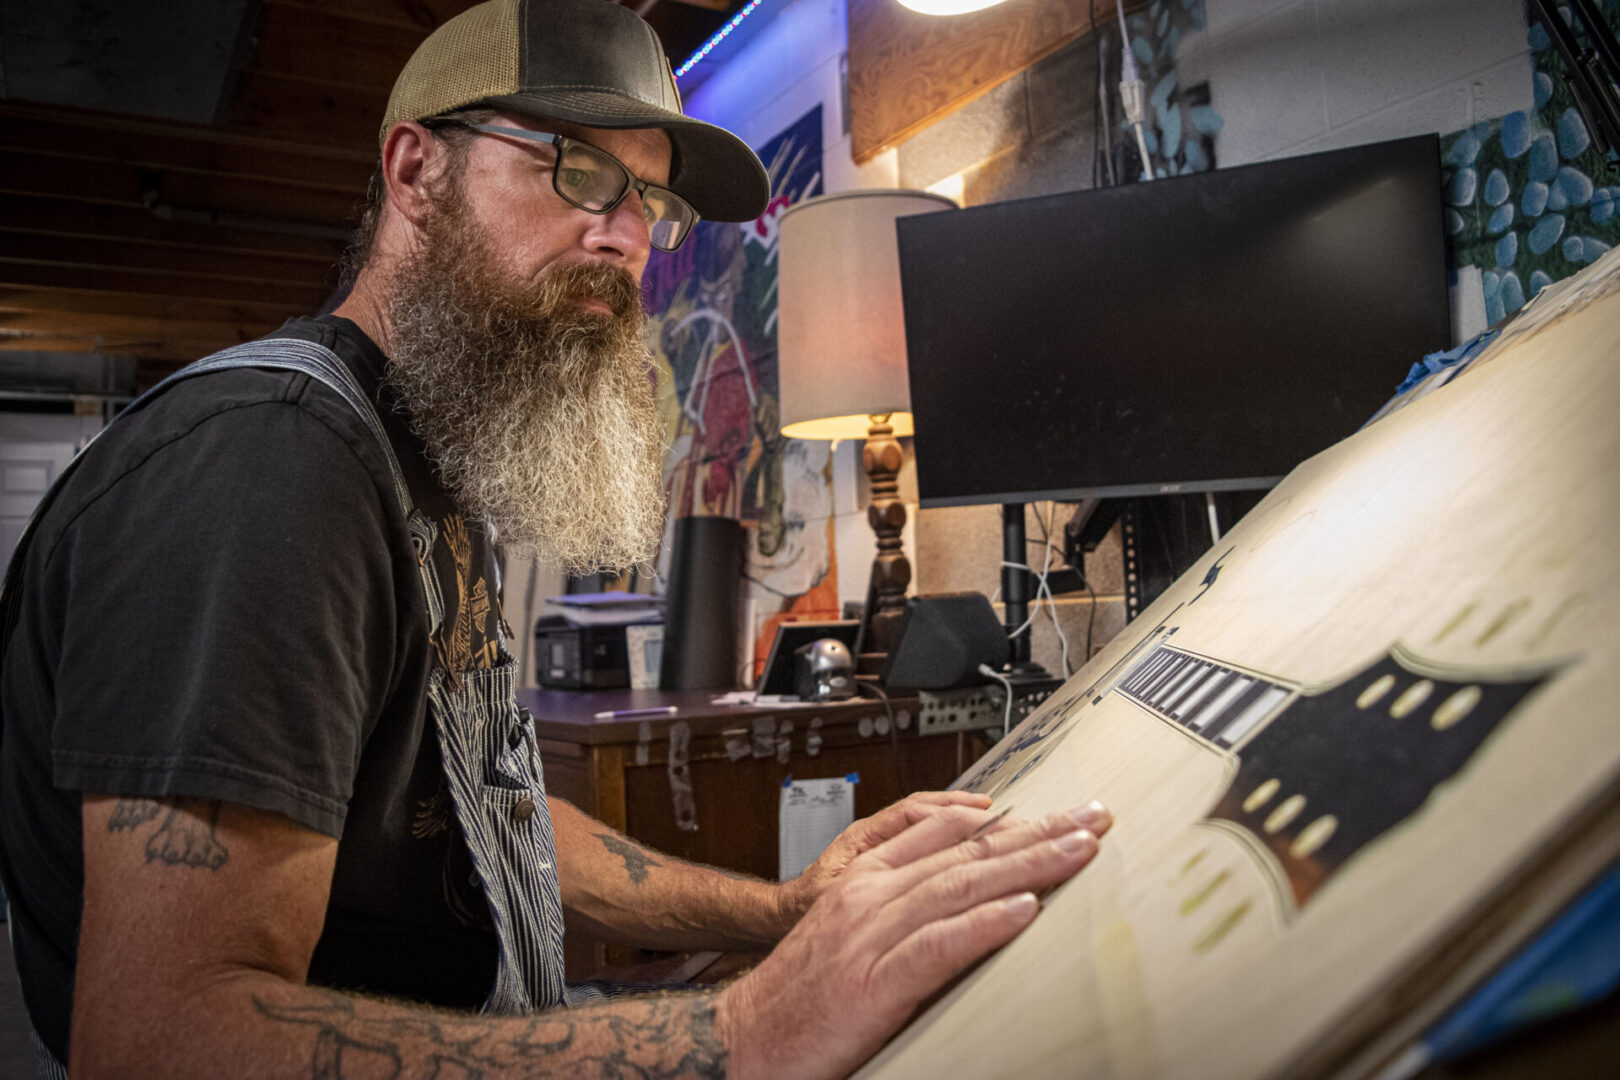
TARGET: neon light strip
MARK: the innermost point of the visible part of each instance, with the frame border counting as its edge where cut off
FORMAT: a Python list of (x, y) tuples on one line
[(691, 61)]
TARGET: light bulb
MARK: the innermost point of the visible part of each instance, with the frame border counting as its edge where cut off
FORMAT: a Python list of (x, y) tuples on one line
[(947, 7)]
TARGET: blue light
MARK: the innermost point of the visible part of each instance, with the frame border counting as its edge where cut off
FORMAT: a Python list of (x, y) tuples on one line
[(692, 60)]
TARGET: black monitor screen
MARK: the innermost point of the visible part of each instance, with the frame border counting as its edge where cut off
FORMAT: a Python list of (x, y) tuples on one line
[(1204, 332)]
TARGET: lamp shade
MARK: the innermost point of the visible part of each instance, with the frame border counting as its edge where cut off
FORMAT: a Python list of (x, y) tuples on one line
[(841, 337)]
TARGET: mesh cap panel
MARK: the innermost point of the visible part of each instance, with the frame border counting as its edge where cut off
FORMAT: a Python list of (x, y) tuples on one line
[(586, 62), (438, 77)]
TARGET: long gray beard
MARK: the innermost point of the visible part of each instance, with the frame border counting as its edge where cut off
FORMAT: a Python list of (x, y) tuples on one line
[(539, 415)]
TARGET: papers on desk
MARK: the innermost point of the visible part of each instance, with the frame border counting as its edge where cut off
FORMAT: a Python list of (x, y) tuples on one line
[(812, 814), (773, 701), (606, 608)]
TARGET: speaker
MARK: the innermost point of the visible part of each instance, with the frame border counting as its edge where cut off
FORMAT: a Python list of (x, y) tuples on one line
[(700, 627), (942, 641)]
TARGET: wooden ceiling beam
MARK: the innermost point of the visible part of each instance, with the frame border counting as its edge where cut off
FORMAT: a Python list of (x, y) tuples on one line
[(326, 46), (26, 299), (169, 144), (130, 326), (155, 283), (322, 114), (56, 176), (165, 259), (169, 349), (66, 217), (423, 15)]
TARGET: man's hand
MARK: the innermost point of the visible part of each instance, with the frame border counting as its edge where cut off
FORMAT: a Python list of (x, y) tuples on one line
[(616, 890), (894, 926), (864, 835)]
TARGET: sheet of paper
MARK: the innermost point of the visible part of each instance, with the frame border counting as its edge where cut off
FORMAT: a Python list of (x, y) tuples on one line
[(813, 813)]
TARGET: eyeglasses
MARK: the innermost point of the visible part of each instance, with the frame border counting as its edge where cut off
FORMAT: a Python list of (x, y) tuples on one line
[(596, 182)]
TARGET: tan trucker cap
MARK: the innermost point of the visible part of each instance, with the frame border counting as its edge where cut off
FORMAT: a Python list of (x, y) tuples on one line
[(588, 62)]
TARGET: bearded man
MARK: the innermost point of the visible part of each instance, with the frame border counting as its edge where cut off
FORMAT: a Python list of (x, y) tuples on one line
[(269, 805)]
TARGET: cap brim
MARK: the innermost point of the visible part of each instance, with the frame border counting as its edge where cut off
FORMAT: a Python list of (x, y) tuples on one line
[(715, 171)]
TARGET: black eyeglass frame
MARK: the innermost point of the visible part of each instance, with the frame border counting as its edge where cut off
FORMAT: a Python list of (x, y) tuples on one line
[(561, 143)]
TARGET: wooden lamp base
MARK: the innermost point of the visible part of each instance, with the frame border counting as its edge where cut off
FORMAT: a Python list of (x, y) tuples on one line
[(891, 570)]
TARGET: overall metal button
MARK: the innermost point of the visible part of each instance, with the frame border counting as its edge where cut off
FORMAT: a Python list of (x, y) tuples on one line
[(523, 809)]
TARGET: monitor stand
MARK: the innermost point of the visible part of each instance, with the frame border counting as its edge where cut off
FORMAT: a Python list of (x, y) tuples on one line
[(1015, 596)]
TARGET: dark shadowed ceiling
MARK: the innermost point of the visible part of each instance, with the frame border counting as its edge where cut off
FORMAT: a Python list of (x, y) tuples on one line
[(180, 175)]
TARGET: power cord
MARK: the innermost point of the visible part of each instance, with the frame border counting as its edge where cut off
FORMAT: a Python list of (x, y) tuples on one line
[(1006, 720), (1044, 588), (1091, 617), (1131, 93), (894, 733)]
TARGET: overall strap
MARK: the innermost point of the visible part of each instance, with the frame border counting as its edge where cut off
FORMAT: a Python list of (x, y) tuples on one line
[(314, 360), (308, 357)]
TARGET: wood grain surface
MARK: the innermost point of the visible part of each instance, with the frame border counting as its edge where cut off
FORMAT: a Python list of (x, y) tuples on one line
[(1357, 754), (907, 70)]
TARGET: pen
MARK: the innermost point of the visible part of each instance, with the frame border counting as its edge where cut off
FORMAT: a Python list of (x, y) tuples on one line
[(620, 714), (1004, 812)]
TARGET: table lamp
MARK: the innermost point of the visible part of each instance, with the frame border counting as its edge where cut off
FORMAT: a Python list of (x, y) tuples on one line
[(842, 359)]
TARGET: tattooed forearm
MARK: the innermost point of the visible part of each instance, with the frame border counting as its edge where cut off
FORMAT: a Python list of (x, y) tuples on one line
[(128, 813), (660, 1038), (187, 835), (636, 861)]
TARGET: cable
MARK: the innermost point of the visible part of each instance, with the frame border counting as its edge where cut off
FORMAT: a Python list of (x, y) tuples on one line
[(1091, 619), (1130, 92), (1006, 720), (1044, 587), (894, 733), (1096, 98), (1051, 601)]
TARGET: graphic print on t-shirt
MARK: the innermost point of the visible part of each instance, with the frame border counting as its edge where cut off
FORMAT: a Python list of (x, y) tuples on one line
[(466, 642)]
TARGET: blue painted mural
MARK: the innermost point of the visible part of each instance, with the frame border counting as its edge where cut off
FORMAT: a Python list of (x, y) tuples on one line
[(1528, 197), (1180, 123)]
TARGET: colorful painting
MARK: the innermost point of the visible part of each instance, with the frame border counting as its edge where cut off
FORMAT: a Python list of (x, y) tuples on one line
[(1179, 124), (712, 326), (1529, 198)]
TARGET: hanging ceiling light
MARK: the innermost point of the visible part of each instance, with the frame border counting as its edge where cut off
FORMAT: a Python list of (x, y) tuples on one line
[(948, 7)]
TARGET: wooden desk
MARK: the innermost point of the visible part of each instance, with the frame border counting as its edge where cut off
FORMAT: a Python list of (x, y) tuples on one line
[(618, 771)]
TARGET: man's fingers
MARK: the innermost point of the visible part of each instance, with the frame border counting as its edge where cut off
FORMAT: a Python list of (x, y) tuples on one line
[(1001, 837), (937, 831), (924, 959), (957, 887), (893, 820)]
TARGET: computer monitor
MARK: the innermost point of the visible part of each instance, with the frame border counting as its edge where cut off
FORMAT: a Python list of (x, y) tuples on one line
[(1199, 333)]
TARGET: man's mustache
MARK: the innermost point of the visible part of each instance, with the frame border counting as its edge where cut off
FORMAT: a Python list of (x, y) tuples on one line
[(611, 285)]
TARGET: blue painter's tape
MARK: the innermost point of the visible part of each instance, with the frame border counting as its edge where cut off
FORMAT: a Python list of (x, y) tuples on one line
[(788, 780), (853, 777)]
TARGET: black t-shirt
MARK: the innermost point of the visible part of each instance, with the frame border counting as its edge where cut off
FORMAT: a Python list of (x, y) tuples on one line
[(224, 603)]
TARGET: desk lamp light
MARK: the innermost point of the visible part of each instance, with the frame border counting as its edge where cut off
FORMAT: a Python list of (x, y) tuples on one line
[(842, 359)]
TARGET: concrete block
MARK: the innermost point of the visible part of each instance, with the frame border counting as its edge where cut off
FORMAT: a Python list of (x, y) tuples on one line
[(958, 549), (1379, 53), (1074, 615), (840, 173), (1443, 110), (1059, 159), (1062, 87), (1222, 17), (1268, 86), (981, 129), (817, 86)]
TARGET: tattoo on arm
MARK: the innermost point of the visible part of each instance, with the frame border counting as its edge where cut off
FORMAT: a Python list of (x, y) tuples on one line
[(187, 835), (636, 861), (669, 1037)]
